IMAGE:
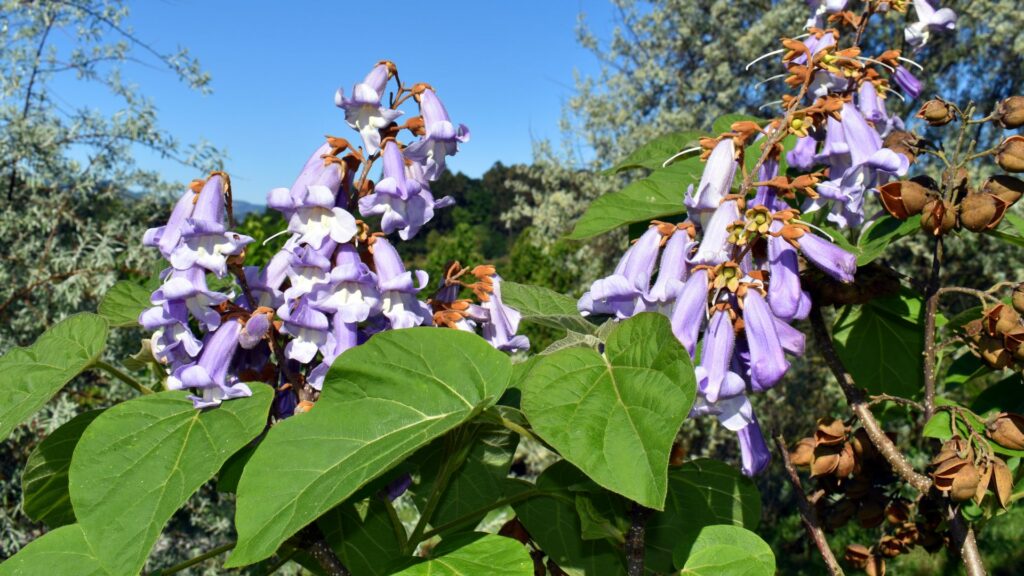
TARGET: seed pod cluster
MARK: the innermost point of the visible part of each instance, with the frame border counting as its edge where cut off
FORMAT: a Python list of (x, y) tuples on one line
[(976, 210), (962, 474), (998, 336)]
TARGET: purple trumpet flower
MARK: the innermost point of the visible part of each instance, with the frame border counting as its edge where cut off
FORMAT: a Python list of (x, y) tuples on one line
[(754, 453), (929, 20), (714, 378), (351, 293), (316, 218), (189, 286), (254, 330), (343, 335), (689, 311), (207, 245), (398, 289), (714, 246), (715, 181), (672, 273), (364, 112), (210, 372), (801, 156), (768, 362), (316, 172), (906, 80), (308, 268), (166, 237), (404, 204), (861, 139), (442, 137), (503, 322), (619, 294), (172, 341), (308, 328), (784, 291), (265, 283), (831, 259)]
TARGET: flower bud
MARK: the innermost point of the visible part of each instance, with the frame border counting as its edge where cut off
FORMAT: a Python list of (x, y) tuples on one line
[(1008, 188), (936, 112), (1018, 298), (1010, 155), (980, 212), (1010, 112), (938, 217), (1007, 430)]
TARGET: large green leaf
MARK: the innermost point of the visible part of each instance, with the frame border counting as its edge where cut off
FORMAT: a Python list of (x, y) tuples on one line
[(701, 493), (657, 196), (654, 154), (725, 551), (123, 303), (554, 524), (60, 552), (882, 350), (44, 483), (139, 461), (545, 307), (363, 537), (616, 416), (30, 376), (881, 234), (488, 554), (381, 402), (477, 483)]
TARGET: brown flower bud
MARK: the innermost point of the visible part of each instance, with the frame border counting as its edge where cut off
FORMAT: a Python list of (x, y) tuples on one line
[(1007, 430), (936, 112), (857, 556), (1010, 155), (1018, 298), (938, 217), (871, 513), (980, 212), (830, 432), (898, 511), (1001, 319), (803, 452), (1010, 112), (1007, 187), (891, 547)]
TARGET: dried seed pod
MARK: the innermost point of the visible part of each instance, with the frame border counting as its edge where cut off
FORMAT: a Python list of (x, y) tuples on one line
[(830, 432), (908, 533), (840, 513), (863, 448), (803, 452), (938, 217), (1007, 430), (981, 211), (1002, 481), (891, 547), (902, 142), (846, 463), (906, 198), (993, 352), (898, 511), (1010, 155), (875, 567), (936, 112), (858, 487), (871, 513), (1018, 298), (1013, 341), (1000, 319), (965, 483), (1004, 186), (857, 555), (1010, 112), (956, 448), (826, 460), (984, 478)]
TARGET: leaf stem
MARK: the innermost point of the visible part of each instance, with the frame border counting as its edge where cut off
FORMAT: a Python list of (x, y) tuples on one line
[(524, 495), (396, 523), (122, 376), (198, 559), (454, 456)]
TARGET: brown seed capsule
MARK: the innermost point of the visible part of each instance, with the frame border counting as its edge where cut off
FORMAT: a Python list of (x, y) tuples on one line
[(938, 217), (846, 463), (857, 555), (803, 452), (1002, 481), (830, 432), (871, 513), (936, 112), (1007, 187), (1018, 298), (840, 513), (891, 547), (1010, 112), (898, 511), (980, 212), (902, 142), (908, 533), (863, 448), (984, 478), (826, 459), (1001, 319), (1010, 155), (1014, 342), (993, 352), (953, 449), (965, 483), (1007, 430), (904, 199), (875, 567)]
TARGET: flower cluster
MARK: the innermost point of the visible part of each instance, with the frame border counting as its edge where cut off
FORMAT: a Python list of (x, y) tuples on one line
[(336, 281)]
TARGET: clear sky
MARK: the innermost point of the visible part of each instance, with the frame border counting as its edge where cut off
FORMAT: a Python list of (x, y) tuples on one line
[(504, 68)]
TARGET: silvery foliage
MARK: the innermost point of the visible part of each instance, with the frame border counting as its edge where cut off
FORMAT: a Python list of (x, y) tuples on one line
[(73, 202)]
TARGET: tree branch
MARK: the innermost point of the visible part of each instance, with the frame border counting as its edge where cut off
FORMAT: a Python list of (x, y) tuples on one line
[(855, 398), (635, 537), (322, 552), (965, 544), (807, 514)]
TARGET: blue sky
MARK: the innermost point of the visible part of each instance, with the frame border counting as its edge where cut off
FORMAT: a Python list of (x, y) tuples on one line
[(502, 68)]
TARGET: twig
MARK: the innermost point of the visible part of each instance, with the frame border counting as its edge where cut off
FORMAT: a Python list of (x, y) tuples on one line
[(860, 408), (635, 537), (807, 514), (193, 561), (880, 398), (965, 544), (322, 552), (931, 310)]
